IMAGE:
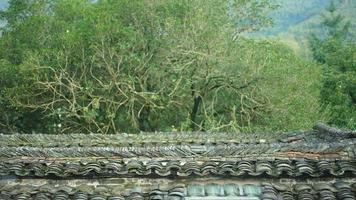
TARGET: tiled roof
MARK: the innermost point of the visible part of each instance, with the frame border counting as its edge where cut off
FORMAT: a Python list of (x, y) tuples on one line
[(343, 190), (314, 190), (239, 164), (192, 191), (179, 168), (320, 133)]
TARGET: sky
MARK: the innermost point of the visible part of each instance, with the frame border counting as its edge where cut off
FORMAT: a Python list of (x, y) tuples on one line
[(3, 3)]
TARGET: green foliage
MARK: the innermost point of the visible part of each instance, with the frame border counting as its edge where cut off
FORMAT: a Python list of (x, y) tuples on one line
[(338, 94), (114, 66), (290, 84), (297, 34), (337, 53)]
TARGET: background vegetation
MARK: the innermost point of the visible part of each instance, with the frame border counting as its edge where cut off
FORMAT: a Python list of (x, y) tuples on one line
[(296, 20), (105, 66), (335, 50)]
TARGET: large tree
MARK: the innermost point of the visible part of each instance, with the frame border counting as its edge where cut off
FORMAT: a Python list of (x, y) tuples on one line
[(108, 66)]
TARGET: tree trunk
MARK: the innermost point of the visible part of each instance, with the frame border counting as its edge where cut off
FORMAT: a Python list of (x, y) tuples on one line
[(193, 114)]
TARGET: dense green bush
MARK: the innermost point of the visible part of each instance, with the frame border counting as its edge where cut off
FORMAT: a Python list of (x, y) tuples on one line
[(338, 94)]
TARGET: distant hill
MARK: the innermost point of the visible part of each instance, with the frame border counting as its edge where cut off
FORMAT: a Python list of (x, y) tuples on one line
[(295, 20), (292, 12), (346, 8)]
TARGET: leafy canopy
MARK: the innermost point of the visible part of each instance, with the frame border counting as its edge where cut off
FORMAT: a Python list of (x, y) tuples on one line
[(121, 65)]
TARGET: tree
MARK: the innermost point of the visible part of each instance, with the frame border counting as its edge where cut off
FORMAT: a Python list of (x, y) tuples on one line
[(334, 32), (114, 66), (336, 51)]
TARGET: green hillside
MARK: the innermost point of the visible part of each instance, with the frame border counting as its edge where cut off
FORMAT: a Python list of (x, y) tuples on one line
[(291, 12), (295, 36)]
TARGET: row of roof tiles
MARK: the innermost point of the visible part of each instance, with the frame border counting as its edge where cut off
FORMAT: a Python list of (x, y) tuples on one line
[(112, 168), (319, 133), (268, 191), (330, 191), (335, 149), (101, 140)]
